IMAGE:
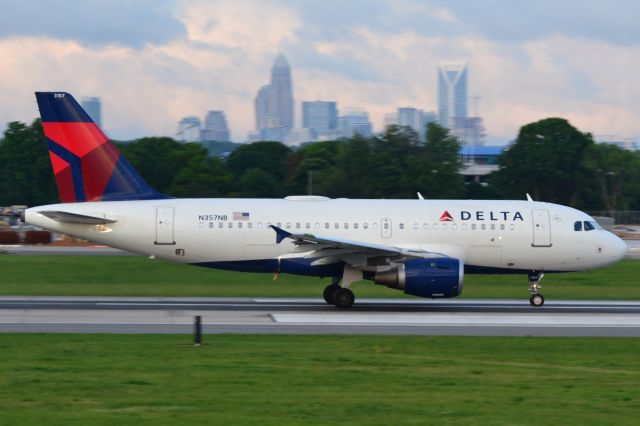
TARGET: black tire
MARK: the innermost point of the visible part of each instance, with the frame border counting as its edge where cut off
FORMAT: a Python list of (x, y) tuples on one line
[(536, 300), (327, 293), (343, 298)]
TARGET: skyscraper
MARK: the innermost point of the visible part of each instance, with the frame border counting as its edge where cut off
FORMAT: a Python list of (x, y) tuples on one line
[(93, 107), (281, 97), (319, 116), (355, 121), (452, 92), (415, 118), (274, 102), (215, 127), (189, 129)]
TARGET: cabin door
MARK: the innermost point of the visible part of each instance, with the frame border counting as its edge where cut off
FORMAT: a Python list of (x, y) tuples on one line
[(164, 226), (541, 228)]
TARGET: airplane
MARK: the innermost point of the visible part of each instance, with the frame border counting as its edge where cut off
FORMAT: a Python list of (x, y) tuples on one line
[(421, 247)]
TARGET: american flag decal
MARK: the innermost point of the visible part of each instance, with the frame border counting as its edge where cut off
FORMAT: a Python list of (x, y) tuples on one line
[(241, 216)]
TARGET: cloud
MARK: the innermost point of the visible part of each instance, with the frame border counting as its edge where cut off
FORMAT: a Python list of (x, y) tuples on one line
[(378, 57), (95, 23)]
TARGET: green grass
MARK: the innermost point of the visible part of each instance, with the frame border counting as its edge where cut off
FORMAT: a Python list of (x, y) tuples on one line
[(139, 276), (280, 380)]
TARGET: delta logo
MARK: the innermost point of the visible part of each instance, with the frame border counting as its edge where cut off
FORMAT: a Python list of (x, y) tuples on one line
[(446, 217), (483, 215)]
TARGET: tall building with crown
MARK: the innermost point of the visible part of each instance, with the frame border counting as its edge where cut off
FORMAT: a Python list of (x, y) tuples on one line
[(274, 102), (452, 93)]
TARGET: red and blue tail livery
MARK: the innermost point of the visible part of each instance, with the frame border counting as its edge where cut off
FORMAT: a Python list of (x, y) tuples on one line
[(87, 166)]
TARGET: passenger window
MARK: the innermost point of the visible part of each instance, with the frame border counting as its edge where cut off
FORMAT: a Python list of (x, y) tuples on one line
[(249, 225), (577, 226), (454, 226), (375, 225), (279, 225), (240, 225), (259, 224), (493, 226), (473, 226), (298, 225), (326, 225), (355, 226), (346, 225), (512, 227), (288, 225), (365, 225), (588, 226), (425, 226), (464, 226), (502, 226), (210, 224), (317, 225), (308, 225), (220, 224), (483, 226), (415, 225), (336, 225), (435, 226), (386, 225), (401, 226), (444, 226), (230, 224)]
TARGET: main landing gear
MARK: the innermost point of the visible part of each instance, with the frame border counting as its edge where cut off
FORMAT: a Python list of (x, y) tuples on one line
[(536, 298), (340, 295)]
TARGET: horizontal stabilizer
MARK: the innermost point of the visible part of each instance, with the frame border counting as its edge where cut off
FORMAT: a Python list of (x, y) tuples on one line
[(66, 217)]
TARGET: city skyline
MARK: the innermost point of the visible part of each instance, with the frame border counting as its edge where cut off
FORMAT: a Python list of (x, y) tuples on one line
[(530, 60)]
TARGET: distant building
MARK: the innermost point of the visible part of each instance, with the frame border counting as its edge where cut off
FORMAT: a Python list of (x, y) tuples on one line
[(479, 162), (452, 92), (274, 102), (354, 122), (415, 118), (469, 131), (93, 107), (215, 127), (319, 116), (189, 129), (298, 136)]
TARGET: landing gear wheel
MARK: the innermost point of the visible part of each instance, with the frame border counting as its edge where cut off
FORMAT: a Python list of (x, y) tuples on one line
[(536, 300), (327, 294), (343, 298)]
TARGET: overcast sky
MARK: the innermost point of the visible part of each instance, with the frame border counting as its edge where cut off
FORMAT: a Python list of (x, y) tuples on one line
[(153, 62)]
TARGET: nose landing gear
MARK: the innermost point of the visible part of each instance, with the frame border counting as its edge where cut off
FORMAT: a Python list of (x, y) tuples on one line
[(536, 298)]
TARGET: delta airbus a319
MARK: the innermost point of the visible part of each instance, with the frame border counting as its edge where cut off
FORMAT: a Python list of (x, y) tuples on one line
[(421, 247)]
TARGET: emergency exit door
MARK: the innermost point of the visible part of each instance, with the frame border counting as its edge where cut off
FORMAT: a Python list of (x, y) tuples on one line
[(164, 226), (541, 228)]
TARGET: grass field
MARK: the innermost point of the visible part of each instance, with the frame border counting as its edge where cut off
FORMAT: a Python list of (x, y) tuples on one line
[(139, 276), (280, 380)]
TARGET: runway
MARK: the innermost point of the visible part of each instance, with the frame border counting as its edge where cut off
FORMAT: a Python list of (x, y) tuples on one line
[(313, 316)]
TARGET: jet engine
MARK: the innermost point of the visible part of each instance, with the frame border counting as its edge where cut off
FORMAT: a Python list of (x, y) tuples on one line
[(437, 277)]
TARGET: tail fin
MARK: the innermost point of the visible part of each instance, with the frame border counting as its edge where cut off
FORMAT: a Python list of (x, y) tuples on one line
[(87, 166)]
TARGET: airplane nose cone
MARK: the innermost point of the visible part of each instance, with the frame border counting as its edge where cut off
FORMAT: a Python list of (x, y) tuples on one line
[(619, 248)]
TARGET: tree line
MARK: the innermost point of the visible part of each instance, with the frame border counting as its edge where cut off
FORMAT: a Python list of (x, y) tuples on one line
[(550, 159)]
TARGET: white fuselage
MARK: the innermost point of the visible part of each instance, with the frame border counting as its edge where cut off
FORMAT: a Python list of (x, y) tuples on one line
[(489, 236)]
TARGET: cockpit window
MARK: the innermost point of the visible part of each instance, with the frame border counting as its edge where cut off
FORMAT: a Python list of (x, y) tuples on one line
[(589, 226), (577, 226)]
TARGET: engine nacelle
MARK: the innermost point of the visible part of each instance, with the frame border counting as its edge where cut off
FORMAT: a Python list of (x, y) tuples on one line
[(437, 277)]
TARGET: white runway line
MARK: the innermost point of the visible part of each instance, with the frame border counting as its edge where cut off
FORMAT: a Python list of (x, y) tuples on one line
[(524, 320)]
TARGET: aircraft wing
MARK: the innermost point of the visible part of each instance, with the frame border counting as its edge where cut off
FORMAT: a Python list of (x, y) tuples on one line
[(343, 249)]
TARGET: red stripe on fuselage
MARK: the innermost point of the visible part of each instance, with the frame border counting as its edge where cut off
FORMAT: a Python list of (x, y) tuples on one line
[(78, 138)]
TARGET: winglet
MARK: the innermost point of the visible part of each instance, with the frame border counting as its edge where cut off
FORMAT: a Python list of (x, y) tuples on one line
[(529, 197), (281, 234), (420, 197)]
